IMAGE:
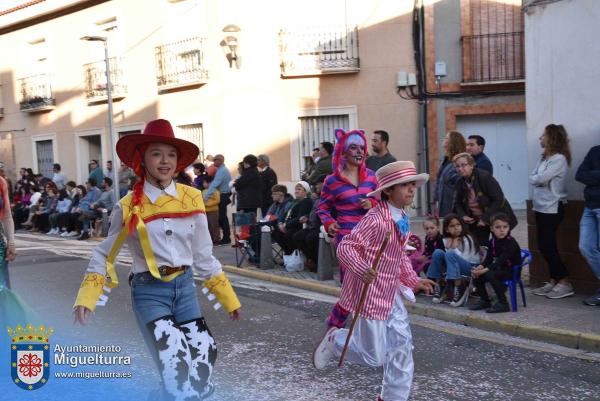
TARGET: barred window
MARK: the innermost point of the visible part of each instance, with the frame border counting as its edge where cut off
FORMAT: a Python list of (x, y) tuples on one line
[(317, 129), (192, 133)]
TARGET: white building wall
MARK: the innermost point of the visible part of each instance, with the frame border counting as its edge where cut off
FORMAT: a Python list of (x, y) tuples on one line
[(562, 53)]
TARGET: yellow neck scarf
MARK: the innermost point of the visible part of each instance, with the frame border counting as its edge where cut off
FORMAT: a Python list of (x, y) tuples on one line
[(188, 202)]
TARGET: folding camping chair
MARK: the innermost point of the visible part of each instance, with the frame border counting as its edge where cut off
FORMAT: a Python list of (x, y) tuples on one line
[(244, 230)]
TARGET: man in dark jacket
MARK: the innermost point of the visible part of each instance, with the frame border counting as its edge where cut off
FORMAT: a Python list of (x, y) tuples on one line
[(475, 146), (268, 178), (248, 186), (478, 197), (324, 166), (588, 173)]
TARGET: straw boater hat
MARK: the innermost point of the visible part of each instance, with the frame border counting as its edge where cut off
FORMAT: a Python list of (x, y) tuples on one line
[(398, 173), (128, 147)]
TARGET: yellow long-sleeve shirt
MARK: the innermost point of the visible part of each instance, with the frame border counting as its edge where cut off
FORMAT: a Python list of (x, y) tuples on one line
[(212, 203)]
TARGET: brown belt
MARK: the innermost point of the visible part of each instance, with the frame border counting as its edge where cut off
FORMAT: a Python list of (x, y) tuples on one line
[(167, 270)]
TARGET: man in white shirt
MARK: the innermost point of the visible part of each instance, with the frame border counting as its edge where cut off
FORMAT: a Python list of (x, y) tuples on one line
[(59, 178)]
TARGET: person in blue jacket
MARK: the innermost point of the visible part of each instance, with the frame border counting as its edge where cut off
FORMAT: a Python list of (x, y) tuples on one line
[(588, 174)]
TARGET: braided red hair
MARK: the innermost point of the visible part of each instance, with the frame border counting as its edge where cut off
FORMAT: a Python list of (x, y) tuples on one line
[(138, 188)]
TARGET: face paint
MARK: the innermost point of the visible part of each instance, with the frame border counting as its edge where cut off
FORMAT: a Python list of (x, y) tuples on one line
[(354, 154)]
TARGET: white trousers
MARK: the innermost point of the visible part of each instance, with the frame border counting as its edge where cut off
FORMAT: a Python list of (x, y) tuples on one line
[(383, 342)]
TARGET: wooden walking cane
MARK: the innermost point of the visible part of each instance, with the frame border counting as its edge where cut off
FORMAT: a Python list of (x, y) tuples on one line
[(363, 295)]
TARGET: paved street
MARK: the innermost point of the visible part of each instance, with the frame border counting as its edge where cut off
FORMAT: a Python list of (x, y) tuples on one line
[(266, 356)]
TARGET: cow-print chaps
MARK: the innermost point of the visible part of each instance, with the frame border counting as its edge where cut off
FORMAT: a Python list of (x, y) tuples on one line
[(186, 354)]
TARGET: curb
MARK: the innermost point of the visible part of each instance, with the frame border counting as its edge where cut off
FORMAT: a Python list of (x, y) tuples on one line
[(292, 282), (567, 338)]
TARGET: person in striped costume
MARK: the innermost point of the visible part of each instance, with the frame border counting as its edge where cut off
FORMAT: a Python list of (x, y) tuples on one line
[(345, 195), (382, 333)]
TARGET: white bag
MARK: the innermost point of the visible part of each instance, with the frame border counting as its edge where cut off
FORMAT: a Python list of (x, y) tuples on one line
[(294, 262)]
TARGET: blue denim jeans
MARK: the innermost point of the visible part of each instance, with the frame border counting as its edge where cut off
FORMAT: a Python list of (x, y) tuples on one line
[(589, 238), (455, 265), (152, 298)]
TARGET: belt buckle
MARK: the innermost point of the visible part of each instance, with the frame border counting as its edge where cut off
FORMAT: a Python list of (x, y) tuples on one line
[(163, 270)]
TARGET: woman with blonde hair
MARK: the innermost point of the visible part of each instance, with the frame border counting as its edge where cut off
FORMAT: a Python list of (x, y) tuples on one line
[(478, 198), (447, 176), (549, 195)]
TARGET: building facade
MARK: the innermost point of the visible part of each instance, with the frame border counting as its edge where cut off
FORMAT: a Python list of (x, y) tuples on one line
[(563, 56), (475, 79), (235, 77)]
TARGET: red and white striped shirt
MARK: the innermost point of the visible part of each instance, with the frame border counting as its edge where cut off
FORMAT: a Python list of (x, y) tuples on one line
[(357, 252)]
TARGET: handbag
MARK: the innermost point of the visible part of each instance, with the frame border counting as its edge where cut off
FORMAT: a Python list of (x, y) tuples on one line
[(294, 262)]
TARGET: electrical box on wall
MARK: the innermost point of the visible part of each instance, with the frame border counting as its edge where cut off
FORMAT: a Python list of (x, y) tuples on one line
[(440, 69), (401, 79), (412, 79)]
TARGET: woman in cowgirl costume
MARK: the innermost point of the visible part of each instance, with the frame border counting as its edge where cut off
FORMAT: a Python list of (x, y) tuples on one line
[(164, 224), (382, 333)]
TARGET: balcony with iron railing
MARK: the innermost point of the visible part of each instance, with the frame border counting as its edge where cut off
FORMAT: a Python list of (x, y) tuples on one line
[(36, 94), (493, 59), (306, 52), (181, 64), (95, 80)]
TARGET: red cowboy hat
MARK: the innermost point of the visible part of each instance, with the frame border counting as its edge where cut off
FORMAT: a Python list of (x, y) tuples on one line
[(156, 131)]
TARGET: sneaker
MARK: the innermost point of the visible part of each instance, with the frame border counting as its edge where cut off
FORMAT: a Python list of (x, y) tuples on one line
[(324, 351), (53, 231), (498, 308), (72, 234), (437, 294), (560, 291), (594, 300), (458, 296), (481, 305), (225, 242), (543, 290), (64, 234), (84, 235)]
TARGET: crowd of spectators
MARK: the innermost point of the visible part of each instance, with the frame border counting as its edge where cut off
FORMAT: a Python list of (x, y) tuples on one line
[(58, 206), (331, 198)]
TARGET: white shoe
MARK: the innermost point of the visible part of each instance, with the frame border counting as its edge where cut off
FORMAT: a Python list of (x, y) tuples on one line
[(543, 290), (72, 234), (63, 233), (560, 291), (324, 351), (54, 231)]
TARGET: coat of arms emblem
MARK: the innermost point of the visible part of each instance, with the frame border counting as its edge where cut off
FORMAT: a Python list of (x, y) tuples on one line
[(30, 356)]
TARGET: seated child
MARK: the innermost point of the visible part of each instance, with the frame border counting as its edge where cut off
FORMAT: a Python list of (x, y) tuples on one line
[(460, 256), (433, 241), (414, 250), (504, 253)]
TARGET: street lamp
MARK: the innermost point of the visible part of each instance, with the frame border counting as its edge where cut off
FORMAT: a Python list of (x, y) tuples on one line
[(113, 136)]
